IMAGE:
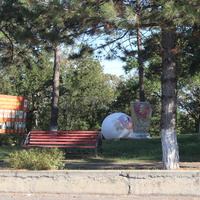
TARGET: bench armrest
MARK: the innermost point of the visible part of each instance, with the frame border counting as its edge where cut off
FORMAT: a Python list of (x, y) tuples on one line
[(26, 142)]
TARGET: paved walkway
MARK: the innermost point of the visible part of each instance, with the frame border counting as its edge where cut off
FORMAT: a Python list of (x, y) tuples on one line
[(142, 165), (90, 197), (131, 166)]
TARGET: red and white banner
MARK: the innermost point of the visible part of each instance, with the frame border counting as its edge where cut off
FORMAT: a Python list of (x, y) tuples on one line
[(13, 110), (141, 116)]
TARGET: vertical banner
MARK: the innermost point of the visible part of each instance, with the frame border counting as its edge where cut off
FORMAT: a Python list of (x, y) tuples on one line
[(13, 111), (141, 116)]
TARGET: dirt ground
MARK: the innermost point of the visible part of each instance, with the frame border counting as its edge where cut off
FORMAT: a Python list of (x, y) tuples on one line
[(131, 166)]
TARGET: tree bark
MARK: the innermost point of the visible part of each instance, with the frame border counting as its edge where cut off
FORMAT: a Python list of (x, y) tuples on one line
[(56, 83), (198, 125), (140, 60), (169, 102), (140, 68)]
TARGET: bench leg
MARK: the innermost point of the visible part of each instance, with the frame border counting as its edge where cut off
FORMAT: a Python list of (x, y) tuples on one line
[(95, 152)]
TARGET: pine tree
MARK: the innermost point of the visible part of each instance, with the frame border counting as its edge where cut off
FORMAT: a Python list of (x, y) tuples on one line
[(169, 17), (51, 23)]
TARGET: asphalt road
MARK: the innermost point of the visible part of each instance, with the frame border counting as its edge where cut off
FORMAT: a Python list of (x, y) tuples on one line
[(90, 197)]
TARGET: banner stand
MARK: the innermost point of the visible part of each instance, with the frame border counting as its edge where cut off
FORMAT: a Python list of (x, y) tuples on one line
[(13, 111), (141, 116)]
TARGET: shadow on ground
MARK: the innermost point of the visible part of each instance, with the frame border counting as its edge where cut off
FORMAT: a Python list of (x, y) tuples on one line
[(116, 166)]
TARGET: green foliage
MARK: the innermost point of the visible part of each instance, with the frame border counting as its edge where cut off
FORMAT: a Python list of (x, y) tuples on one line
[(86, 95), (108, 11), (32, 80), (182, 126), (131, 63), (37, 159), (126, 92), (189, 102), (153, 96), (180, 13), (9, 139)]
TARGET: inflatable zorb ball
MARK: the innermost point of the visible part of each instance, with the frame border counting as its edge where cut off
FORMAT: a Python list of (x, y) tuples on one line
[(116, 126)]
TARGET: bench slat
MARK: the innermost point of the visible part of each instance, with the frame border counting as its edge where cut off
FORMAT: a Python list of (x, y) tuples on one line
[(64, 146), (58, 143), (58, 139), (60, 135), (63, 137), (64, 132)]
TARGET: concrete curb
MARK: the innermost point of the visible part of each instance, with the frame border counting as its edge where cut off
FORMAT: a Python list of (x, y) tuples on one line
[(102, 182)]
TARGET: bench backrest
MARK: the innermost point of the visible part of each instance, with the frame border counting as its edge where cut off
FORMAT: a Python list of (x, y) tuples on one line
[(76, 139)]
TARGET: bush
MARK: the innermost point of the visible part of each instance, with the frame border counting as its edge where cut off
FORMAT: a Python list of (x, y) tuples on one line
[(9, 139), (37, 159)]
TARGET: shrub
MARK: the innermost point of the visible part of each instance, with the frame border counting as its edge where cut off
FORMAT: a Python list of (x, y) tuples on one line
[(37, 159), (9, 139)]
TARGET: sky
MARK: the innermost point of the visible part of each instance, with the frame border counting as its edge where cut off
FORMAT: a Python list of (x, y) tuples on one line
[(113, 67)]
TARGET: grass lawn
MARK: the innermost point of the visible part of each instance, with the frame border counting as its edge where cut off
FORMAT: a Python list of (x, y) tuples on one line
[(144, 150), (5, 150), (151, 150)]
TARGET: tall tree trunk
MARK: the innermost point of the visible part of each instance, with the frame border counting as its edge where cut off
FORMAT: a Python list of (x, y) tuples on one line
[(140, 68), (140, 60), (198, 125), (169, 102), (56, 83)]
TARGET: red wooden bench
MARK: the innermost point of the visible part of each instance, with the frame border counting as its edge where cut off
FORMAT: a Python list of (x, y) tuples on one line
[(65, 139)]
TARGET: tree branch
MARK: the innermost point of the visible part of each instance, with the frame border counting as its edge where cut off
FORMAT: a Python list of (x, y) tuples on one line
[(12, 46)]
